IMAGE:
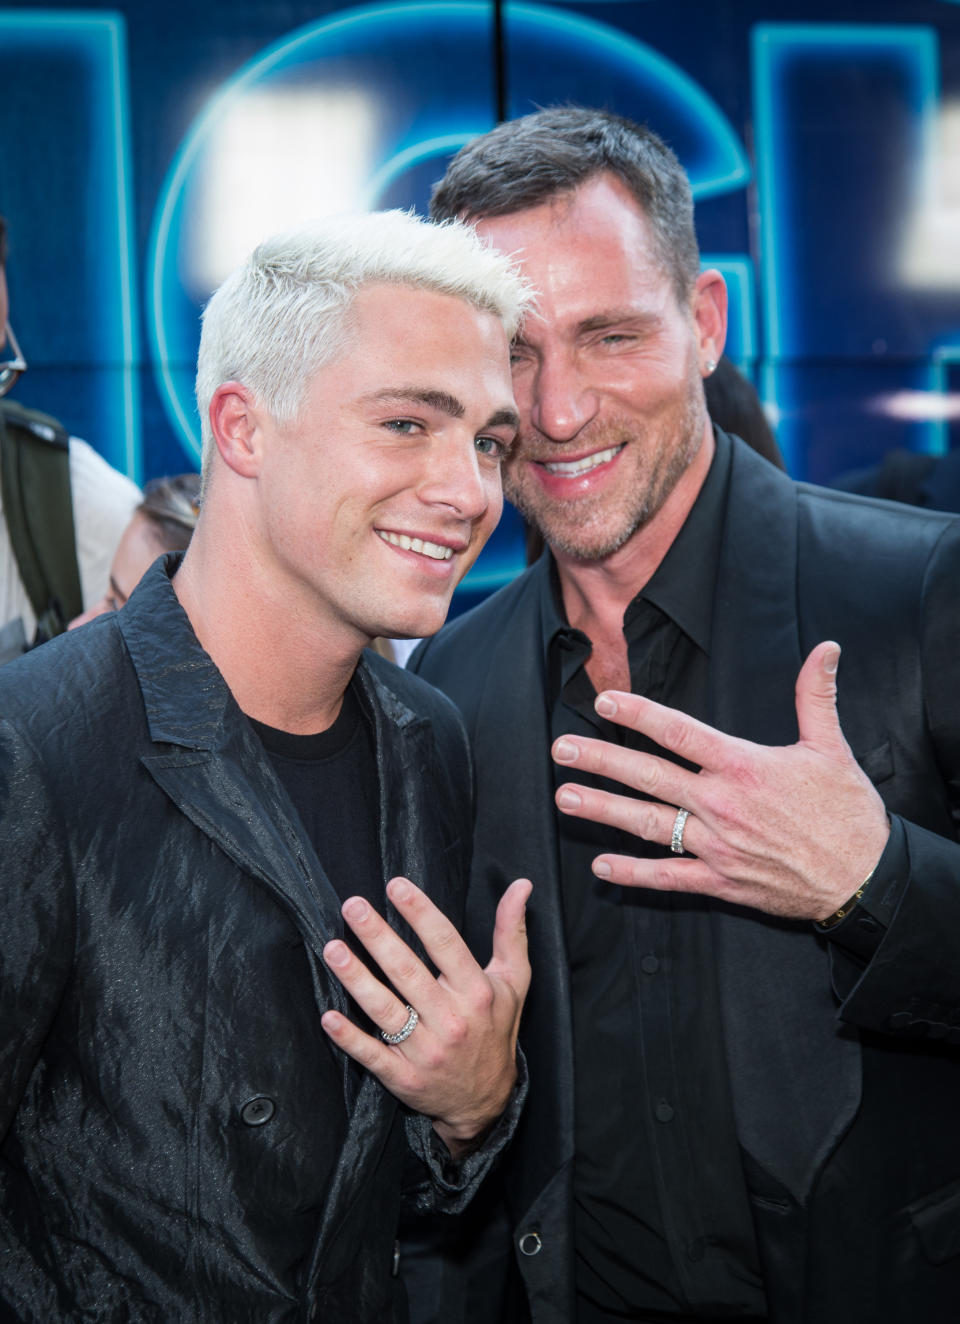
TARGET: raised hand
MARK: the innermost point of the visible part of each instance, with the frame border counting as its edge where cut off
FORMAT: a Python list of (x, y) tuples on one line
[(791, 830), (457, 1064)]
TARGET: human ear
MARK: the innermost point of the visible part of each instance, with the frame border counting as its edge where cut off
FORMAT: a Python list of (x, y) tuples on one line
[(710, 318), (234, 424)]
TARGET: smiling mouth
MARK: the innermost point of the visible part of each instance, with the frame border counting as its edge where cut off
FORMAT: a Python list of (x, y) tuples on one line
[(573, 468), (434, 550)]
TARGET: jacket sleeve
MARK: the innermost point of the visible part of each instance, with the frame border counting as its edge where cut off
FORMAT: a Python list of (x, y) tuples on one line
[(906, 980), (37, 917), (448, 1185)]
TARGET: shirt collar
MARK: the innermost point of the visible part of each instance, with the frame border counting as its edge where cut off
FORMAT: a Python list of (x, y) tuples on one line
[(683, 584)]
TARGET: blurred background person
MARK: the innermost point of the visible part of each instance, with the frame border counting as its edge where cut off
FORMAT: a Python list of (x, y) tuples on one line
[(733, 404), (163, 522), (931, 481), (62, 510)]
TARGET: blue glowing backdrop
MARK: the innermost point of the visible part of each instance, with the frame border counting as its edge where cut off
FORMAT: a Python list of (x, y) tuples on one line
[(147, 148)]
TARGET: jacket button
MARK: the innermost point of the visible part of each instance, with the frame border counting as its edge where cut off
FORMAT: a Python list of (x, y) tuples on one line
[(663, 1112), (257, 1111), (530, 1243), (649, 965)]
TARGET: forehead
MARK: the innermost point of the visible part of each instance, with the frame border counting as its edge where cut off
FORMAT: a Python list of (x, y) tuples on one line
[(596, 236), (400, 335)]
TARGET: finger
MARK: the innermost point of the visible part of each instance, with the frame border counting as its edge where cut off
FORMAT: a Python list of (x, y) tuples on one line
[(641, 818), (816, 695), (509, 959), (441, 940), (643, 772), (670, 875), (401, 965), (379, 1002), (384, 1061), (691, 740)]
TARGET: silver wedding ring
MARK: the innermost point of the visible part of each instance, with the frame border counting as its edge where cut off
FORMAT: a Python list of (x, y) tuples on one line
[(679, 823), (405, 1030)]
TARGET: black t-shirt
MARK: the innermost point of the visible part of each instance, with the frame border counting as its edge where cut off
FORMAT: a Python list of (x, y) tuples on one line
[(331, 777)]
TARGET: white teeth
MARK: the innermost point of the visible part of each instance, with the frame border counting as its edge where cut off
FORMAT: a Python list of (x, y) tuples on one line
[(570, 468), (431, 549)]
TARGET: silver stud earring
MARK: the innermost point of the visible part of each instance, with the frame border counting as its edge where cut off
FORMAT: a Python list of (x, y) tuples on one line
[(711, 366)]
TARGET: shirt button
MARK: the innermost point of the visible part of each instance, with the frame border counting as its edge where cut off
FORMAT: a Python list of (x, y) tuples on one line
[(649, 965), (663, 1112), (530, 1243), (257, 1111)]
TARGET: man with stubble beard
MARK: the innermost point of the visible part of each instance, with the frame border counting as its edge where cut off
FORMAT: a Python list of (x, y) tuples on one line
[(745, 1012)]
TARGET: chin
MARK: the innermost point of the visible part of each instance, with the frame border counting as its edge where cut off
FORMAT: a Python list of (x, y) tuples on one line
[(416, 624)]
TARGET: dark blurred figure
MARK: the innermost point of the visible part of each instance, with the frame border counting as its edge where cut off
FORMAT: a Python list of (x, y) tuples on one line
[(163, 522), (932, 481), (733, 404)]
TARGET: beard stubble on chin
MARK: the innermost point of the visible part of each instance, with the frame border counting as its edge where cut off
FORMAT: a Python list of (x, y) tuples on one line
[(591, 528)]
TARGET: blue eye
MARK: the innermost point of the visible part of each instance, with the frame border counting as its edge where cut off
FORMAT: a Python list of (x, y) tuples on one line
[(491, 446)]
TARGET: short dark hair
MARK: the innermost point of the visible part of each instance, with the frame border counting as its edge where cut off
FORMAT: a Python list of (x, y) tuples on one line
[(172, 506), (526, 162), (3, 242)]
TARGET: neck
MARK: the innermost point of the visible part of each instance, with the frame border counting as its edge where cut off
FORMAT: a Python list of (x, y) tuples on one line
[(284, 664), (597, 593)]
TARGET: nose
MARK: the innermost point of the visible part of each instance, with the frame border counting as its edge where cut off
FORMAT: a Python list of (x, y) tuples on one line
[(456, 479), (563, 402)]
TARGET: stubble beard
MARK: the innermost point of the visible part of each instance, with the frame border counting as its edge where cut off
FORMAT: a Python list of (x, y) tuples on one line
[(593, 528)]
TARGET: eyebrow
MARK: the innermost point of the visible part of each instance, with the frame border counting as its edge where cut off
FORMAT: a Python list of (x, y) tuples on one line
[(616, 316), (442, 400)]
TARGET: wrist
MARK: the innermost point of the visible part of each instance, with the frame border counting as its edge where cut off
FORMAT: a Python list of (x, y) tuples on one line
[(841, 913), (463, 1134)]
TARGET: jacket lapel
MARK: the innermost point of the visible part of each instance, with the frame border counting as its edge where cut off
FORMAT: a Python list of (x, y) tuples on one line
[(795, 1070), (214, 769)]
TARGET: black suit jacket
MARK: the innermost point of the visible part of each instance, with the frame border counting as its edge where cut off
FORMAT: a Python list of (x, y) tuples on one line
[(855, 1182)]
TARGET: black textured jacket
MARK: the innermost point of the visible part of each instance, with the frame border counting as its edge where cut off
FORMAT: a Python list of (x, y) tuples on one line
[(162, 917)]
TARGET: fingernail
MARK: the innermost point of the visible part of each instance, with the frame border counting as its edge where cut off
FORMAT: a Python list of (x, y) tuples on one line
[(601, 869), (831, 661), (564, 752), (356, 908), (400, 890), (605, 706), (568, 799), (336, 953)]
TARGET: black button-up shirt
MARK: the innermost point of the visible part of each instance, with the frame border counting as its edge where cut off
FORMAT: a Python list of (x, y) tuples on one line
[(663, 1225)]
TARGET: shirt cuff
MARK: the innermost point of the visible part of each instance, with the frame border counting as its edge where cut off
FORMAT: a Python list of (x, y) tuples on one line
[(862, 930)]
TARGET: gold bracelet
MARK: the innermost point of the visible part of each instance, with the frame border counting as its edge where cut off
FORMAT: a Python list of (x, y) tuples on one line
[(847, 906)]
